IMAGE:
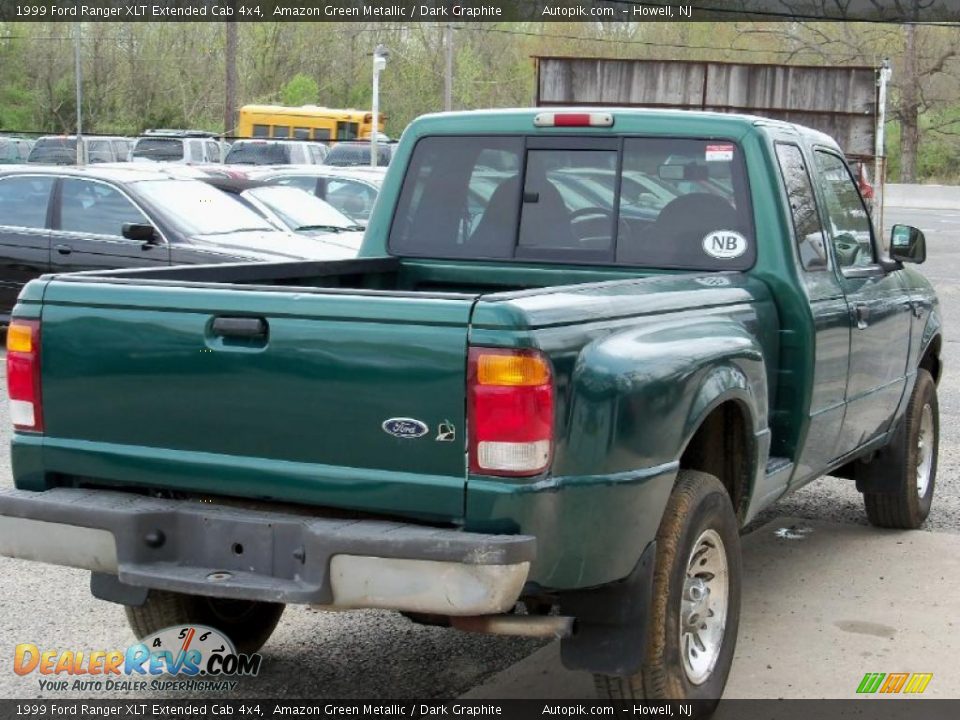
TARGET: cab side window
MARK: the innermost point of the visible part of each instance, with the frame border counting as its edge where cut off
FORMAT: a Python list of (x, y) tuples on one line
[(24, 200), (848, 223), (99, 151), (95, 208), (807, 229), (352, 199), (304, 182)]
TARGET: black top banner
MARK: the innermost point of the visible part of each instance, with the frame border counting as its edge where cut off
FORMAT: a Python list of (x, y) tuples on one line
[(136, 708), (460, 11)]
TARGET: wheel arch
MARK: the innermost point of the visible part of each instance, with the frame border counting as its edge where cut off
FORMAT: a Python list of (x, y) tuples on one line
[(723, 442), (930, 357)]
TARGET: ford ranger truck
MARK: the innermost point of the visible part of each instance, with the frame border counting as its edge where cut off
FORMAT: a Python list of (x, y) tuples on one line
[(581, 349)]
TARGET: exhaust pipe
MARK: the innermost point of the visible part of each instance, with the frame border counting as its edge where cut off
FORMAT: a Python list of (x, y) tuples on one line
[(532, 626)]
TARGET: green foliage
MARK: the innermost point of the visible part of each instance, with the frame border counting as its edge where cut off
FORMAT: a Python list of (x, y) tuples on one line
[(893, 151), (16, 106), (301, 90), (938, 158)]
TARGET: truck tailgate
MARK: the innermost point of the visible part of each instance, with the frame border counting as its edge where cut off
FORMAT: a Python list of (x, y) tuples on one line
[(170, 387)]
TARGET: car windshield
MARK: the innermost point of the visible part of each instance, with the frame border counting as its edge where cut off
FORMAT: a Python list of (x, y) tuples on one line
[(301, 211), (54, 151), (354, 154), (652, 202), (158, 149), (258, 153), (196, 208)]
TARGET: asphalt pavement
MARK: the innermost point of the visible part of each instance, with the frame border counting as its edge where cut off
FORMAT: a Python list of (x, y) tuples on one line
[(382, 655)]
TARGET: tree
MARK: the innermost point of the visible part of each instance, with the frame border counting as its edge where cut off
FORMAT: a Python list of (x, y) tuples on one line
[(925, 86), (301, 90), (230, 79)]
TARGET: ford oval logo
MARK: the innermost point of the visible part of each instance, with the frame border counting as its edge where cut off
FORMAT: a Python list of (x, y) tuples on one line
[(406, 428)]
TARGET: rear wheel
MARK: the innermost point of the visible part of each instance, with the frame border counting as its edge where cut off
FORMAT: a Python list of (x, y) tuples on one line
[(248, 623), (912, 457), (695, 613)]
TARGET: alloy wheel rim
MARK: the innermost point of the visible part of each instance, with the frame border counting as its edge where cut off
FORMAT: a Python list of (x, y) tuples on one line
[(703, 606), (925, 442)]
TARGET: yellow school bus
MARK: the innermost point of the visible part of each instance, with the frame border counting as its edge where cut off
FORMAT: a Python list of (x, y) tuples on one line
[(309, 122)]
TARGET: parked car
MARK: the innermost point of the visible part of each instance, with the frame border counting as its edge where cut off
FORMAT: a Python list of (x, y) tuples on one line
[(14, 150), (577, 409), (62, 150), (123, 146), (352, 191), (271, 152), (292, 209), (318, 152), (92, 219), (347, 154), (177, 146)]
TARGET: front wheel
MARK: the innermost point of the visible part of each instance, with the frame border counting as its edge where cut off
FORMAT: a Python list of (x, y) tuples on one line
[(695, 612), (911, 457), (248, 623)]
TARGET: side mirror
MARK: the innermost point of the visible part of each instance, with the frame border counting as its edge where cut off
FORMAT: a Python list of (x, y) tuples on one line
[(907, 244), (139, 231)]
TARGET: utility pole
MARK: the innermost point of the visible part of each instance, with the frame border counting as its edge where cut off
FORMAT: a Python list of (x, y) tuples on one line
[(380, 57), (448, 73), (79, 75), (230, 81), (883, 77)]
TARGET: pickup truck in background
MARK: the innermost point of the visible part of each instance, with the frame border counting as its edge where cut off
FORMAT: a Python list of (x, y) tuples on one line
[(581, 349)]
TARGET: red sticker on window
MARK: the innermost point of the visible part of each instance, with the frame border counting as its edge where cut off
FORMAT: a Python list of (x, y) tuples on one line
[(719, 153)]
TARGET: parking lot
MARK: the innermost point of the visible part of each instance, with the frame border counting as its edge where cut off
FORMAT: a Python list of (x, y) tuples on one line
[(383, 655)]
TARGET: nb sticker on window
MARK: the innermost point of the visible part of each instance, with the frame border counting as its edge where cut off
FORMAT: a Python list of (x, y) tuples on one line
[(724, 244)]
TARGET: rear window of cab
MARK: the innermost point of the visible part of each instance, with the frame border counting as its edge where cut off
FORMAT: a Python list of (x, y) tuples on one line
[(653, 202)]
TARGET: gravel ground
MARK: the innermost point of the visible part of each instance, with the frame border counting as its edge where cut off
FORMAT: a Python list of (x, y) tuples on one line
[(382, 655)]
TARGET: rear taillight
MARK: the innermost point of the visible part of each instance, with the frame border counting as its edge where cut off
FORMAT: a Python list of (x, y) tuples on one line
[(23, 374), (510, 412)]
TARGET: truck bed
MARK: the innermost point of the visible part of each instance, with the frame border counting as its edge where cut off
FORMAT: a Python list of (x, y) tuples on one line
[(283, 382), (369, 275)]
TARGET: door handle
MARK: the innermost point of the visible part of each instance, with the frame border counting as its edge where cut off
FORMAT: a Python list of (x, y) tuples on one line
[(63, 249), (862, 314), (240, 327)]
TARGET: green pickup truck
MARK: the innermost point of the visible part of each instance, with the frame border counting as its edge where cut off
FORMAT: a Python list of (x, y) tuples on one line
[(580, 350)]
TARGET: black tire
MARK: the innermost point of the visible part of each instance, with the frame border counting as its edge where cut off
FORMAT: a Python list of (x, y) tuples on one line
[(905, 507), (248, 623), (699, 503)]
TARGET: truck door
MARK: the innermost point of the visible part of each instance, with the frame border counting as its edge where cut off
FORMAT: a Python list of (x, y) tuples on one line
[(877, 305), (88, 222), (828, 307)]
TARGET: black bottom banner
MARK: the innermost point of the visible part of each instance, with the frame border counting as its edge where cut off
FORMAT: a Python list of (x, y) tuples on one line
[(867, 709)]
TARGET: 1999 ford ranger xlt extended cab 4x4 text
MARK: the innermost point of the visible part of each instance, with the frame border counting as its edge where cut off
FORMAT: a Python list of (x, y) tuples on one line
[(580, 350)]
